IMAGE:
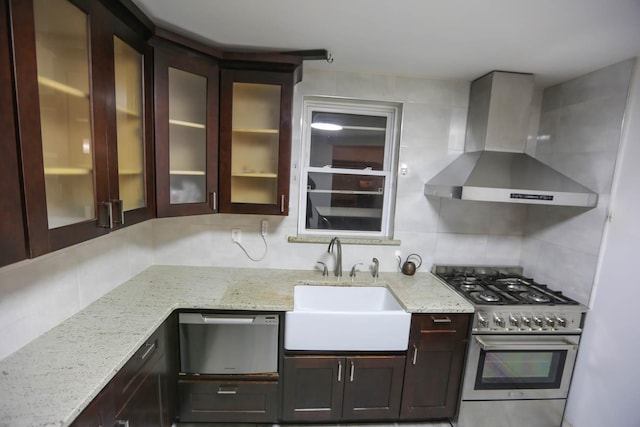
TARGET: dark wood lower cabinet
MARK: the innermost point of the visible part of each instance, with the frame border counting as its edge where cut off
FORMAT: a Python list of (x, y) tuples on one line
[(140, 394), (332, 388), (228, 401), (433, 373)]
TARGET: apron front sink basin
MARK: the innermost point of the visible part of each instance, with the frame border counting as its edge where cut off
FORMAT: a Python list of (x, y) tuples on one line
[(346, 318)]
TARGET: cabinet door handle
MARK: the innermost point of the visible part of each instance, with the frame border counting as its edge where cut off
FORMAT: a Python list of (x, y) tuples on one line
[(282, 203), (150, 347), (415, 355), (122, 423), (214, 201), (105, 218), (352, 371), (339, 371), (445, 319), (119, 205), (222, 390)]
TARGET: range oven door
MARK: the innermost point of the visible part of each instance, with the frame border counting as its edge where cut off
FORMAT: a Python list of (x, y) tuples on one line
[(503, 367)]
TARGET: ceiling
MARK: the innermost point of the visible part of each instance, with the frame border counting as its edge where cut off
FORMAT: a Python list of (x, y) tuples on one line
[(443, 39)]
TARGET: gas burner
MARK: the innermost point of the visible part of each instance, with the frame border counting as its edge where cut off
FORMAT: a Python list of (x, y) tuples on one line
[(469, 286), (486, 296), (514, 284), (535, 297)]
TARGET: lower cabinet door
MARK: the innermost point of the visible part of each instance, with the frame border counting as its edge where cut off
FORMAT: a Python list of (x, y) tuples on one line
[(312, 388), (144, 408), (373, 387), (228, 401)]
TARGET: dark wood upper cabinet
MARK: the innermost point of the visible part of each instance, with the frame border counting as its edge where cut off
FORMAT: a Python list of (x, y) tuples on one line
[(84, 121), (255, 140), (433, 373), (12, 231), (186, 130)]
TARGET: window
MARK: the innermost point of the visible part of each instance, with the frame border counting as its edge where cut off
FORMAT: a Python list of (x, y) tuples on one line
[(349, 164)]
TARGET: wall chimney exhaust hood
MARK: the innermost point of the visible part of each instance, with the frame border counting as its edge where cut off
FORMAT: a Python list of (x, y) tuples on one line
[(494, 167)]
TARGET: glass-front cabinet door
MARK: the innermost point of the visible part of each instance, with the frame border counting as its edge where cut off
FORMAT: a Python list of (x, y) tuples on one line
[(186, 90), (81, 119), (255, 141)]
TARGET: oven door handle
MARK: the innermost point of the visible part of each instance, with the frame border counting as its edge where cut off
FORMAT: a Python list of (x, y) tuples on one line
[(487, 344)]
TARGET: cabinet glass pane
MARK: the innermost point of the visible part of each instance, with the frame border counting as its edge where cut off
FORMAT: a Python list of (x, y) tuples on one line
[(129, 124), (65, 111), (187, 136), (255, 139)]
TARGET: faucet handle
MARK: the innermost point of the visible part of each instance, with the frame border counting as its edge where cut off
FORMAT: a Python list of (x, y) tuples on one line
[(353, 271), (376, 267), (325, 270)]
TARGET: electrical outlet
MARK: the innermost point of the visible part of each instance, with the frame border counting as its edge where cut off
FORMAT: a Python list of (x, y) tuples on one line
[(235, 235), (264, 227)]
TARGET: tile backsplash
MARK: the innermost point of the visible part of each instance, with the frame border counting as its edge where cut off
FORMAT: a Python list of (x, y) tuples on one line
[(37, 294)]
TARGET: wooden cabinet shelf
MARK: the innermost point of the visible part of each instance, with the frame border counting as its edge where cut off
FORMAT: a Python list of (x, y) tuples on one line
[(61, 87), (187, 124), (255, 175), (251, 130), (67, 171)]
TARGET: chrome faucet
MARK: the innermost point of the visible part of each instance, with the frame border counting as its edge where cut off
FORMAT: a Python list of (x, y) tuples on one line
[(335, 241)]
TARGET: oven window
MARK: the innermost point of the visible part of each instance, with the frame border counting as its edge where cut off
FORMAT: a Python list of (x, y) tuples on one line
[(515, 369)]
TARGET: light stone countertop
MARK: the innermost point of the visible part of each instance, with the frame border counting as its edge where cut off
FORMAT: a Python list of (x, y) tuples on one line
[(51, 380)]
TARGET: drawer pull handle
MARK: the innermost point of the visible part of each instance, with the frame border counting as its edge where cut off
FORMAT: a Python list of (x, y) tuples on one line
[(231, 391), (415, 354), (339, 371), (150, 348), (122, 423), (445, 319), (352, 371)]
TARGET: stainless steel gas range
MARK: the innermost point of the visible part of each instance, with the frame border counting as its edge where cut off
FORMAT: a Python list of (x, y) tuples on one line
[(523, 347)]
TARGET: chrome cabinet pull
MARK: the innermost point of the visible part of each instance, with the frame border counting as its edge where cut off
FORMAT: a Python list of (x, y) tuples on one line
[(150, 348), (105, 218), (282, 203), (119, 205), (339, 371), (352, 371), (122, 423), (415, 354), (445, 319), (214, 201), (231, 391)]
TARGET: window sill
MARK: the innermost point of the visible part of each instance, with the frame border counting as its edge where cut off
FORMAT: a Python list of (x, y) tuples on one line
[(344, 240)]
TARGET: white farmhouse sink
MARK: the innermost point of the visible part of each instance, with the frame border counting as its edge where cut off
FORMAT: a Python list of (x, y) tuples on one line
[(346, 318)]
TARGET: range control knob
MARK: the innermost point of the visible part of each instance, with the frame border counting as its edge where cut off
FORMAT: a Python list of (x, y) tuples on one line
[(561, 321), (514, 320), (537, 321), (482, 321), (499, 321), (526, 321), (550, 321)]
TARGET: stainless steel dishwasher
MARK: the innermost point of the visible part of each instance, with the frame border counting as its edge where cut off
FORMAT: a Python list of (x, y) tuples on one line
[(228, 343)]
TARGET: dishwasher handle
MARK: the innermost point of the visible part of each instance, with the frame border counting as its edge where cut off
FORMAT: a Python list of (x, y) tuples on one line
[(227, 319)]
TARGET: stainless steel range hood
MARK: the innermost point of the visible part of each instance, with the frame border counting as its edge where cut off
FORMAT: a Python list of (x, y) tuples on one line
[(494, 166)]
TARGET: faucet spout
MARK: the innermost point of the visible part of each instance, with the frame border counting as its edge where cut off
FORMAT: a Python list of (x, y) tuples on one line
[(336, 242)]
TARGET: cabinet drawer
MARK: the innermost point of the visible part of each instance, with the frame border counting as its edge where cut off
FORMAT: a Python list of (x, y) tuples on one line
[(228, 401), (133, 373)]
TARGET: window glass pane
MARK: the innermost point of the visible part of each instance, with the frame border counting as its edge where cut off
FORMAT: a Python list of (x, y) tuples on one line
[(65, 111), (360, 144), (344, 201), (129, 125)]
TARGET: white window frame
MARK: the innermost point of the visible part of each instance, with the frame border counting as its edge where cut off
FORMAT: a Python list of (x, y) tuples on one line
[(393, 112)]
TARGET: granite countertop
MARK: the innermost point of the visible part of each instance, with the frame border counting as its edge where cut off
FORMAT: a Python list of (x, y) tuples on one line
[(51, 380)]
